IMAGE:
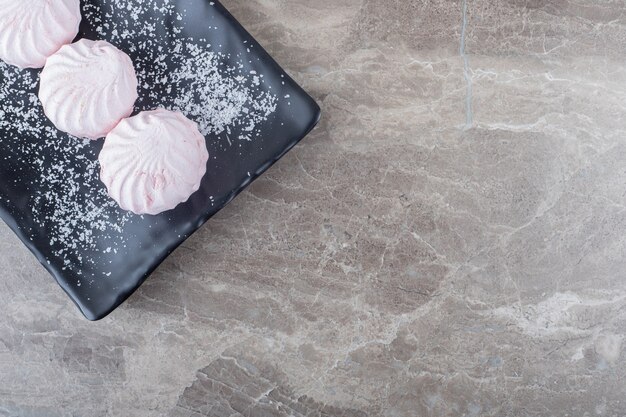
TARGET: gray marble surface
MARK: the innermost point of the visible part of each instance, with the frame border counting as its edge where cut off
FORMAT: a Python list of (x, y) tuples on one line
[(450, 241)]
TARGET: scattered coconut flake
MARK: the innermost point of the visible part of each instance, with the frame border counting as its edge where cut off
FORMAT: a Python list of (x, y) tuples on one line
[(68, 200), (219, 98), (184, 74)]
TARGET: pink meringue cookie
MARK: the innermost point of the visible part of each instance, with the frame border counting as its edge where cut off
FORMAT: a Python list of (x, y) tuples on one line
[(87, 88), (153, 161), (32, 30)]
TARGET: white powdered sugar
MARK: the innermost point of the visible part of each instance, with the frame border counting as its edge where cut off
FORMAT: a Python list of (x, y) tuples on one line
[(68, 202), (220, 100), (185, 74), (67, 199)]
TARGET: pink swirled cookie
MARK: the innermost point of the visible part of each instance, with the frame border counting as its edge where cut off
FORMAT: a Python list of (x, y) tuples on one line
[(153, 161), (87, 88), (32, 30)]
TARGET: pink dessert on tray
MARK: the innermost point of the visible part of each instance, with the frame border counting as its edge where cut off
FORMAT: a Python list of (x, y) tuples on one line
[(154, 161), (32, 30), (87, 88)]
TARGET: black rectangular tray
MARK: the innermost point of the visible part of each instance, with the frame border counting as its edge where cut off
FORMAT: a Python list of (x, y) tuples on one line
[(50, 193)]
